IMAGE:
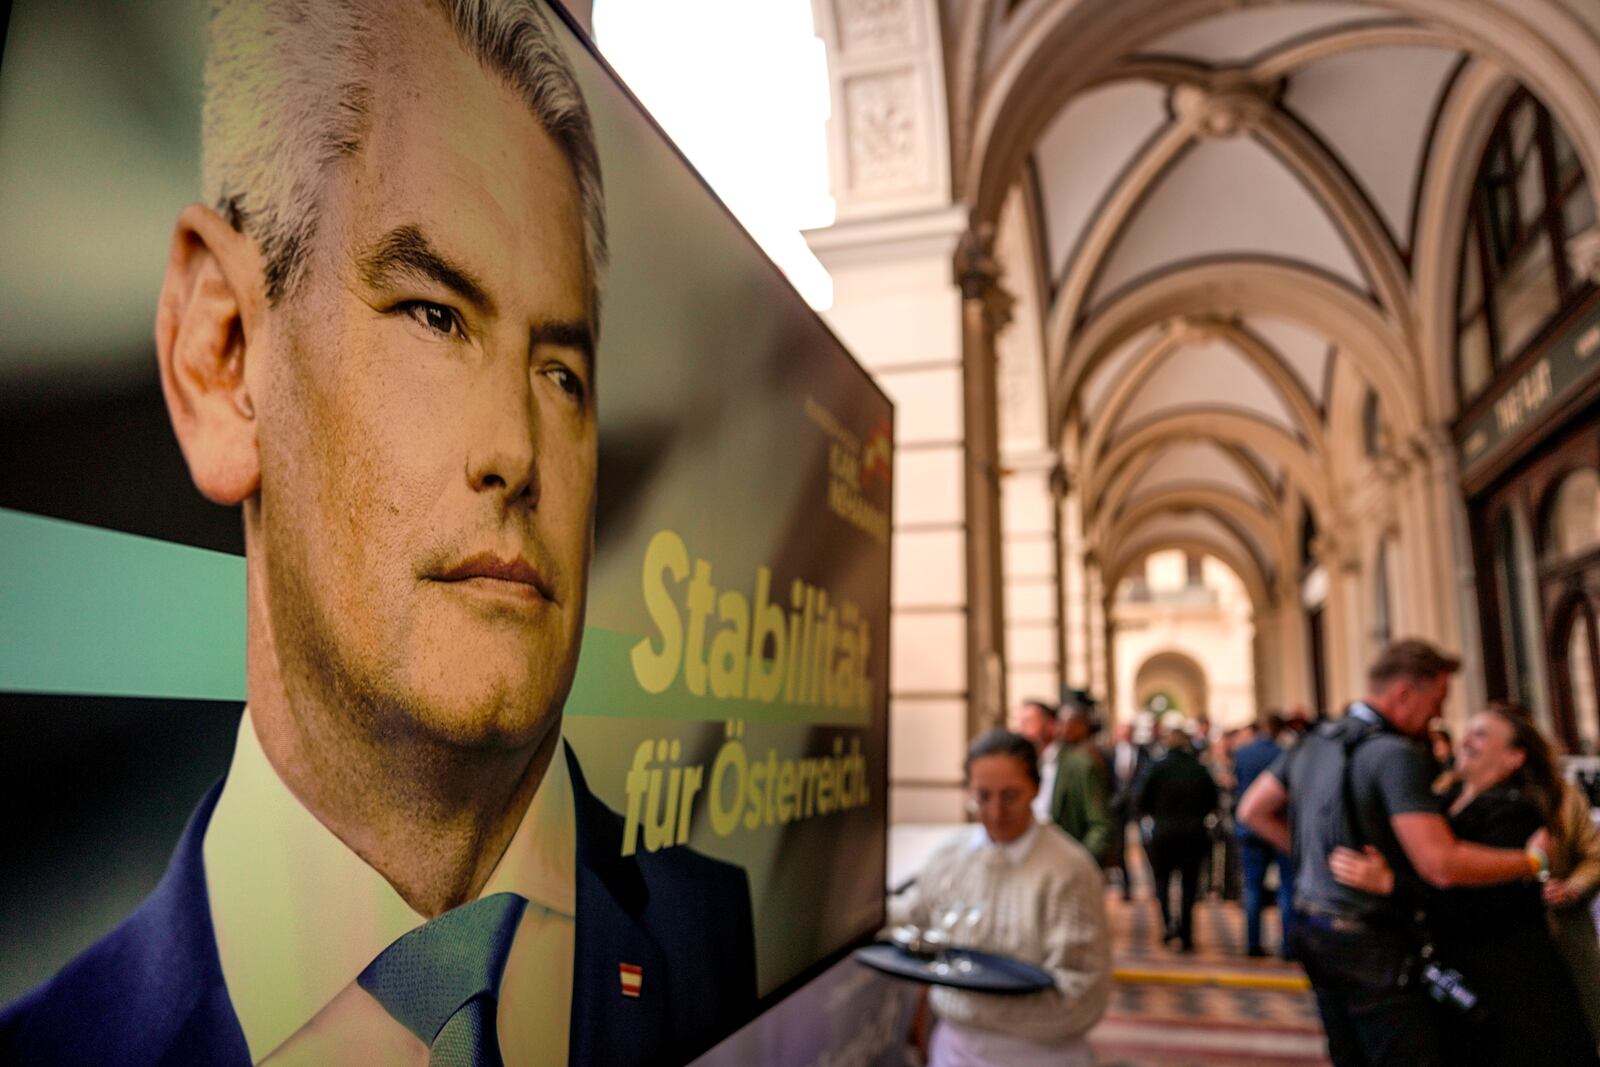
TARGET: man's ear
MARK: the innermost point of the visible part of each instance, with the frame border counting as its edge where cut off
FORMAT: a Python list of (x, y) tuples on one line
[(208, 313)]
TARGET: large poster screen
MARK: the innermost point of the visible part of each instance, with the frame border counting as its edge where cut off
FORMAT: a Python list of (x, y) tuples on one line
[(443, 564)]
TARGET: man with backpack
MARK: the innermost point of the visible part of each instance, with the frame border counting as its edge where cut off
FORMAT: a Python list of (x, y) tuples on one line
[(1364, 780)]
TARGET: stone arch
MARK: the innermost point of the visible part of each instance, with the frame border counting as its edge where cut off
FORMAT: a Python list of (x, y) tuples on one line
[(1172, 669), (1060, 47), (1308, 420), (1465, 122), (1234, 556), (1307, 471), (1201, 99), (1230, 287), (1121, 484), (1229, 508)]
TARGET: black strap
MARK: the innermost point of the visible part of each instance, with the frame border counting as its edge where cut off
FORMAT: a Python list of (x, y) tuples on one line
[(1325, 734), (1403, 896), (1352, 817)]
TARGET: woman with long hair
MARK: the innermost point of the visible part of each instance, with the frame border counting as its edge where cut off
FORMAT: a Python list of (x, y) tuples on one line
[(1506, 790)]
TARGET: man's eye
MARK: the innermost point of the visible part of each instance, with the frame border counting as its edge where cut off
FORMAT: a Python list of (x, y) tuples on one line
[(569, 382), (434, 317)]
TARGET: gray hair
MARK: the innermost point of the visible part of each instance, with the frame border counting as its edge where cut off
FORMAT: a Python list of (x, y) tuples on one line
[(288, 94)]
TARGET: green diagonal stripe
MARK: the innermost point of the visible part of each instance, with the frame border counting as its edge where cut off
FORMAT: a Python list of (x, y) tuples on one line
[(105, 613), (101, 612)]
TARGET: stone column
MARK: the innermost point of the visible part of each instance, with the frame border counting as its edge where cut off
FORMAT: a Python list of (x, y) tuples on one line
[(1100, 667), (1341, 620), (985, 311), (1295, 645), (1437, 487), (1074, 586), (1266, 656), (1060, 493), (1107, 691)]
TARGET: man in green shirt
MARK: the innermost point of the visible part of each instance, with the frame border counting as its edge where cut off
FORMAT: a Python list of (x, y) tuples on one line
[(1080, 801)]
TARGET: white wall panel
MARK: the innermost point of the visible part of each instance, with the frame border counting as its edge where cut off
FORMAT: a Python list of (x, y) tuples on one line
[(1034, 555), (927, 739), (927, 485), (922, 804), (1031, 600), (929, 568), (1032, 684), (1026, 505), (1030, 644), (929, 652), (927, 403)]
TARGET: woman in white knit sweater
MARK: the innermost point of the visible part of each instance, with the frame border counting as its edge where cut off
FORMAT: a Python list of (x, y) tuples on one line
[(1024, 889)]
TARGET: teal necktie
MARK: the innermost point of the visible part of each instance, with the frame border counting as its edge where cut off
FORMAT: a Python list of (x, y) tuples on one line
[(442, 980)]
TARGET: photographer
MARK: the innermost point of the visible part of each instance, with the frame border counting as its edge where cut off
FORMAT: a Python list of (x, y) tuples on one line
[(1364, 780), (1495, 938)]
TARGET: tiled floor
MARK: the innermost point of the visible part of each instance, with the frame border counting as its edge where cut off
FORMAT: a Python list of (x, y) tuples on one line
[(1211, 1008)]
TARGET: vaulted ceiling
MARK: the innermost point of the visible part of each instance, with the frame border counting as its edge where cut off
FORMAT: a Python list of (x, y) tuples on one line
[(1225, 221)]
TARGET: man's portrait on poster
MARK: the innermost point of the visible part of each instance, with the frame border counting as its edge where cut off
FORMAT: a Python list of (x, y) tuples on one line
[(377, 336)]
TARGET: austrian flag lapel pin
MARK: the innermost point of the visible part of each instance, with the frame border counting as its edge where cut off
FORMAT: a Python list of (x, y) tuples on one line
[(632, 978)]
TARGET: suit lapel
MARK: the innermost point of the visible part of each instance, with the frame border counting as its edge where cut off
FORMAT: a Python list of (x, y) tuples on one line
[(607, 1025), (179, 992)]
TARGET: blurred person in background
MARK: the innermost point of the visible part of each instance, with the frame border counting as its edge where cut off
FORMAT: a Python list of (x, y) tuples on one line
[(1257, 854), (1175, 798), (1126, 761), (1569, 896), (1080, 798), (1025, 890), (1037, 722), (1506, 790), (1220, 872), (1439, 743)]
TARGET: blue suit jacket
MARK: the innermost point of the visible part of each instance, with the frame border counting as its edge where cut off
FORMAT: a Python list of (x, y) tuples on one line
[(151, 992)]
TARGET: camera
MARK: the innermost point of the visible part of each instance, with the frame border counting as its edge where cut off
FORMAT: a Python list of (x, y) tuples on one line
[(1447, 986)]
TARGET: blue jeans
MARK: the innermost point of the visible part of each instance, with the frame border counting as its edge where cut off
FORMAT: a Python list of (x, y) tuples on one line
[(1256, 855)]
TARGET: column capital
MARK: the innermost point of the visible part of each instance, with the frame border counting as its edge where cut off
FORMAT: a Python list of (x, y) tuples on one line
[(1334, 553), (1391, 466), (1060, 482), (1433, 446), (978, 274)]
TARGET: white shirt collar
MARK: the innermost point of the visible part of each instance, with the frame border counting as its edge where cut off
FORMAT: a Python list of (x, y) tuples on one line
[(298, 915), (1366, 712), (1013, 851)]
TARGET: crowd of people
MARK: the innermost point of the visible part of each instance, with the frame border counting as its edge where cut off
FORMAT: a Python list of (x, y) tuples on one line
[(1439, 895)]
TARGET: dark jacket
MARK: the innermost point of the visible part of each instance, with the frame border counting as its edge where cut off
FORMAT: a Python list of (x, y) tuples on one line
[(1496, 936), (152, 992), (1177, 795), (1080, 802)]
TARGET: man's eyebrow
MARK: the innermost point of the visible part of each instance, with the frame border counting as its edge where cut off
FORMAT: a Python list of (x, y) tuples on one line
[(574, 335), (406, 251)]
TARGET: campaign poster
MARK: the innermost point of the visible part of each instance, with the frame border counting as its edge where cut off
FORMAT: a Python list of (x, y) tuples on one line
[(393, 423)]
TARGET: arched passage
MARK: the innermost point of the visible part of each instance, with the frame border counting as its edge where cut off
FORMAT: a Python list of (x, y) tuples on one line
[(1176, 676)]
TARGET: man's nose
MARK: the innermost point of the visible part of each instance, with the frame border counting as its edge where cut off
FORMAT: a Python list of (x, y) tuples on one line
[(504, 455)]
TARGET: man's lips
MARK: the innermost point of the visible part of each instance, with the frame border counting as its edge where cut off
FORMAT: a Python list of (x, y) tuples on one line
[(514, 575)]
